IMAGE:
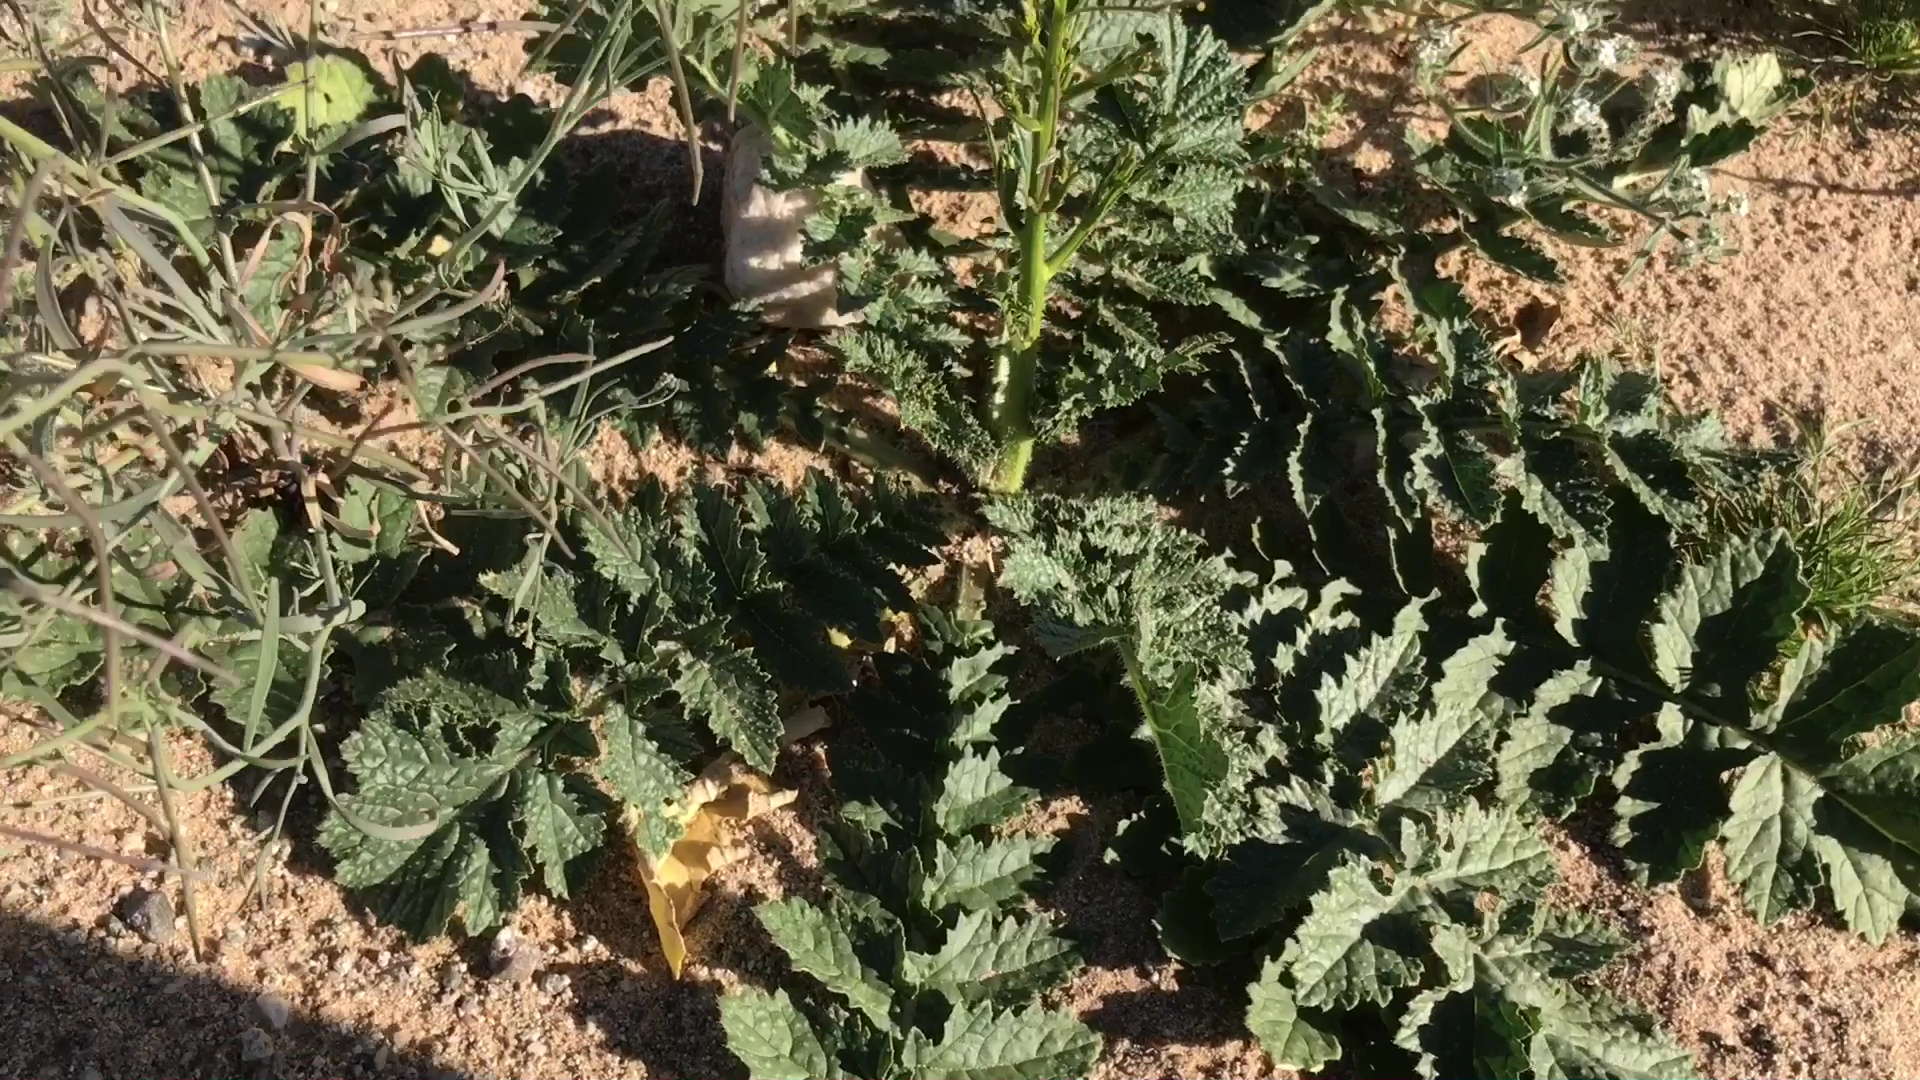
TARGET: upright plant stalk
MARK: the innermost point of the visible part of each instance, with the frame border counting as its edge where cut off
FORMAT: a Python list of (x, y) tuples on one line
[(1011, 416)]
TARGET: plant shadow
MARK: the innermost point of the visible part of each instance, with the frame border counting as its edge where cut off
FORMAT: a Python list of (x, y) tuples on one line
[(83, 1007)]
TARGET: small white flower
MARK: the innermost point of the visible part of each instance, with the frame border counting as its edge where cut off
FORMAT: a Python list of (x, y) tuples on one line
[(1576, 19), (1508, 186), (1580, 114), (1665, 83), (1437, 43), (1690, 189), (1526, 77), (1737, 204), (1616, 50)]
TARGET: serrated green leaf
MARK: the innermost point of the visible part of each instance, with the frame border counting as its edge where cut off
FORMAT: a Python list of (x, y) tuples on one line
[(1192, 758), (973, 874), (560, 821), (975, 793), (634, 766), (1369, 673), (421, 887), (1617, 586), (1489, 849), (1261, 881), (1573, 1033), (1330, 958), (1570, 943), (818, 945), (1464, 706), (1768, 834), (623, 554), (428, 827), (971, 677), (1274, 1018), (1867, 887), (1862, 682), (1672, 797), (1534, 742), (1510, 563), (991, 957), (727, 545), (1723, 622), (770, 1036), (792, 646), (985, 1044), (724, 686)]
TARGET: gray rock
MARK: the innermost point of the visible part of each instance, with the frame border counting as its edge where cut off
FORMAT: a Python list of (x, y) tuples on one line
[(255, 1045), (91, 1073), (553, 984), (512, 958), (149, 913), (273, 1009)]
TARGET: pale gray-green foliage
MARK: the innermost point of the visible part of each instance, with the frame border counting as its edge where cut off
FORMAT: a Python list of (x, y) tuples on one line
[(1108, 574), (1385, 870), (925, 900), (687, 616), (1150, 161)]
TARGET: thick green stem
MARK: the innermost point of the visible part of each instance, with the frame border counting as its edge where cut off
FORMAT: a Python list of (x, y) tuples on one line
[(1011, 414)]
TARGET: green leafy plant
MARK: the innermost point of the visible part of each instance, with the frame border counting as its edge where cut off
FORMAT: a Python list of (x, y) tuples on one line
[(1106, 575), (212, 276), (1566, 129), (688, 624), (302, 379), (929, 967), (1115, 167), (1810, 748)]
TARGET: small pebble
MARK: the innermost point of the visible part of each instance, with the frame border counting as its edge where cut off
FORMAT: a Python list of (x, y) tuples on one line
[(452, 978), (148, 913), (91, 1073), (553, 984), (343, 964), (254, 1045), (380, 1057), (511, 958), (273, 1009)]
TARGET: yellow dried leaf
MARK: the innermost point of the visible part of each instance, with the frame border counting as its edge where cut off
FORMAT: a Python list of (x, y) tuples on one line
[(326, 378), (727, 795)]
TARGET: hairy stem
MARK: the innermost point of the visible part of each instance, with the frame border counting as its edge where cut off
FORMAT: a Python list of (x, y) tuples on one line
[(1012, 407)]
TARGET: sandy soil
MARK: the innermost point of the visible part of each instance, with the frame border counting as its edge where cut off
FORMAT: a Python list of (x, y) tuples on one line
[(1818, 314), (1800, 998), (1818, 311)]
